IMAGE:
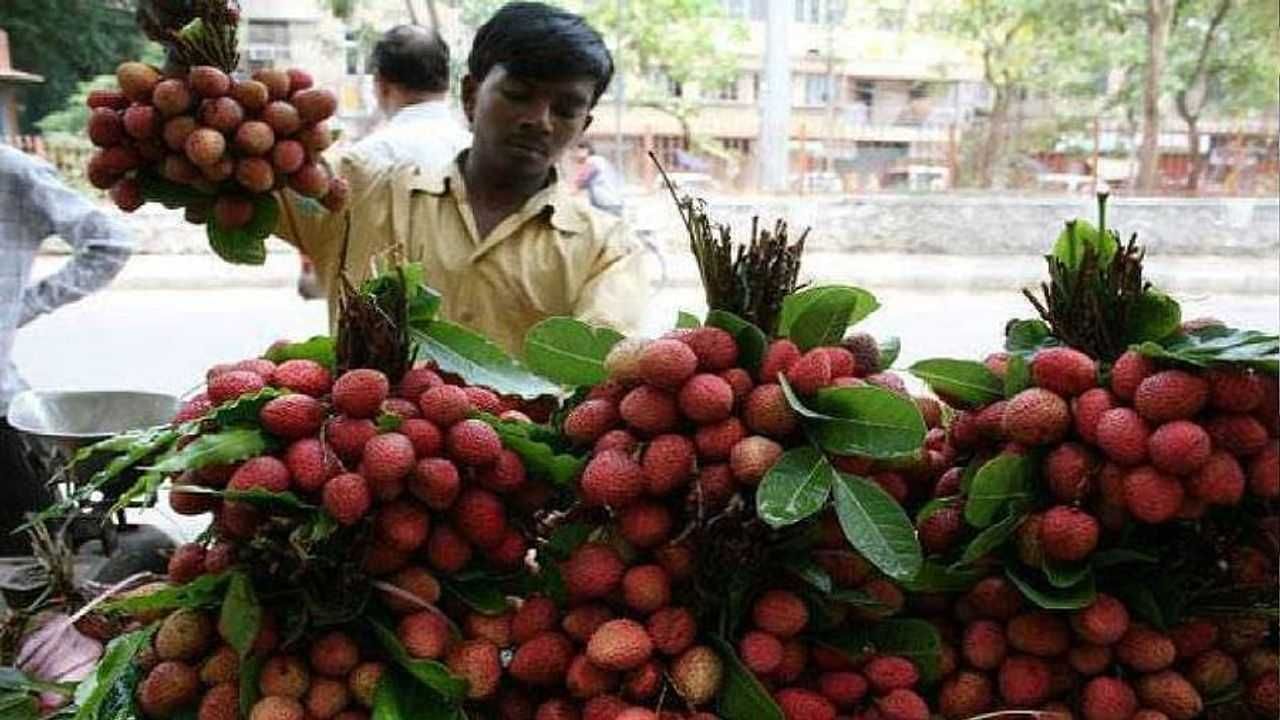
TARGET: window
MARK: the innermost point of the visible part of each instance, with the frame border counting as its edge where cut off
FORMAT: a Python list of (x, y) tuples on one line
[(837, 10), (269, 32), (918, 90), (728, 92), (673, 87), (817, 89), (737, 8), (809, 11), (891, 17), (863, 92), (759, 10)]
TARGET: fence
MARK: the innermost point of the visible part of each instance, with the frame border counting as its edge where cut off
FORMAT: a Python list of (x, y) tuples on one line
[(68, 153)]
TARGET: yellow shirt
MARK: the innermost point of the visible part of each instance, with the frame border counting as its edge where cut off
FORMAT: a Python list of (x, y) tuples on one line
[(555, 256)]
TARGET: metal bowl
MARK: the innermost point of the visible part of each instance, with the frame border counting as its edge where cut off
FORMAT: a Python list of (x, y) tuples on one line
[(83, 417)]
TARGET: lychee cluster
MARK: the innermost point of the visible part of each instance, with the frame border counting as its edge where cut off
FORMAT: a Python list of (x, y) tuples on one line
[(423, 484), (226, 139)]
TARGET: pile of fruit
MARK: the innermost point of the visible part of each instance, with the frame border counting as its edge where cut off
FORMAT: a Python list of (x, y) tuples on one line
[(191, 135), (728, 521)]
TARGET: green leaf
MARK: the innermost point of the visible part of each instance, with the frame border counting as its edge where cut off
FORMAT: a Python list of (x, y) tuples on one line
[(569, 351), (246, 245), (937, 578), (962, 383), (1001, 480), (1052, 598), (890, 348), (796, 487), (742, 697), (432, 674), (1219, 345), (388, 422), (567, 538), (157, 189), (991, 538), (915, 640), (250, 675), (480, 594), (477, 360), (877, 527), (540, 459), (751, 339), (18, 706), (244, 409), (687, 320), (1155, 316), (1026, 337), (1121, 556), (1081, 238), (228, 446), (205, 591), (1017, 376), (117, 662), (1062, 575), (14, 679), (401, 697), (809, 571), (422, 303), (321, 349), (820, 316), (241, 615), (867, 420)]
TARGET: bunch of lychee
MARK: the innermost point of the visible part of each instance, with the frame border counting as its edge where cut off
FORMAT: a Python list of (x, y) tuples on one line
[(190, 670), (1099, 662), (1154, 444), (406, 466), (228, 139)]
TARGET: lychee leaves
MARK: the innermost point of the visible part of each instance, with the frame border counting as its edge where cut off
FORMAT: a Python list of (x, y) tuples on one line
[(742, 697), (1001, 481), (108, 692), (429, 673), (540, 459), (1017, 376), (962, 383), (687, 320), (821, 315), (470, 355), (1219, 344), (241, 615), (751, 339), (876, 526), (228, 446), (403, 697), (915, 640), (865, 420), (1027, 337), (796, 487), (205, 591), (569, 351), (993, 536), (246, 245), (320, 349), (1053, 598)]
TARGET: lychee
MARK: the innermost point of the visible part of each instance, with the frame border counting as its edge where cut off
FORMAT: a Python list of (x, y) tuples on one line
[(1087, 410), (1219, 481), (1122, 435), (1107, 698), (902, 705), (781, 613), (1068, 534), (761, 652), (477, 662), (262, 473), (886, 673), (473, 442), (479, 516), (645, 524), (778, 359), (347, 498), (667, 463), (715, 348), (706, 398), (359, 393), (1129, 370), (590, 420), (348, 436), (424, 634), (613, 479), (810, 373), (984, 645), (1264, 472), (1103, 622), (1151, 496), (254, 174), (667, 364), (436, 482), (314, 104), (282, 117), (447, 551), (767, 412), (284, 676), (672, 630), (233, 384), (1039, 633), (186, 564), (646, 588), (963, 695), (1069, 471), (1239, 434), (1170, 395), (1064, 371), (592, 571), (1170, 693), (543, 660), (752, 457), (697, 675), (801, 704), (292, 416), (715, 442), (444, 405), (1024, 681), (169, 687), (304, 376), (1145, 650), (1036, 417)]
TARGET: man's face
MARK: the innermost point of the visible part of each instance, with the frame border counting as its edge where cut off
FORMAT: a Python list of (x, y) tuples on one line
[(524, 126)]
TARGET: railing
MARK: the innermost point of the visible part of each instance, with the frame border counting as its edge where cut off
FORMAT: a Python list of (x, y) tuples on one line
[(68, 153)]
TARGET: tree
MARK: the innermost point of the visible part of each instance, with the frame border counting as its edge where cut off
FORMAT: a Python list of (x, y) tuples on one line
[(1223, 59), (1158, 19), (66, 41)]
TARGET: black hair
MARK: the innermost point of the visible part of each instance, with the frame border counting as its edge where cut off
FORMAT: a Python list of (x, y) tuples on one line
[(585, 143), (540, 42), (414, 57)]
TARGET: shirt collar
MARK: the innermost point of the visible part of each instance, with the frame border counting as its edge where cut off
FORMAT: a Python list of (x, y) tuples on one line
[(556, 204), (427, 110)]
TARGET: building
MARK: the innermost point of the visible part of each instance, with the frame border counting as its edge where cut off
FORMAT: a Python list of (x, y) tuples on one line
[(11, 80), (874, 102)]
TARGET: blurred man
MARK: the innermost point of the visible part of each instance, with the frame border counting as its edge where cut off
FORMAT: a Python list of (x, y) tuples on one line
[(34, 204), (598, 179), (499, 237)]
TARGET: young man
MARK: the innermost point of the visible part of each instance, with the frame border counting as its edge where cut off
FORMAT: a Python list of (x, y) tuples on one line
[(34, 204), (411, 79), (500, 238)]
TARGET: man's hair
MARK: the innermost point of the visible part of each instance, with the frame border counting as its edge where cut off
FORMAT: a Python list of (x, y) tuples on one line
[(586, 145), (414, 57), (537, 41)]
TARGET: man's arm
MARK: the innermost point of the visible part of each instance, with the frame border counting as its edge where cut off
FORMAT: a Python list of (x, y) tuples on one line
[(618, 291), (313, 229), (100, 244)]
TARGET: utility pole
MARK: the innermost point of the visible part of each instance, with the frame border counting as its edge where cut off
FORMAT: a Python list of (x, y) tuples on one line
[(833, 92), (775, 100), (620, 92)]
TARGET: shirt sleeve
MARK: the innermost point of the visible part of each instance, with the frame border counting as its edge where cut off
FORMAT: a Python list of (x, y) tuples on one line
[(617, 292), (99, 243), (313, 229)]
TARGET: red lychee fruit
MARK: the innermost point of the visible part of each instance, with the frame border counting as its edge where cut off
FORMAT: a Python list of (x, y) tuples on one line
[(984, 645), (1129, 370), (592, 571), (1263, 694), (1179, 447), (447, 551), (1024, 681), (752, 458), (778, 358), (706, 398), (761, 652), (995, 597), (667, 464), (1039, 633), (473, 442), (1088, 409), (209, 81), (1219, 481), (843, 688), (801, 704), (106, 128), (543, 660), (1236, 391), (314, 104), (767, 412), (186, 563), (810, 373), (168, 688), (1170, 395), (646, 588), (715, 348), (1238, 434), (334, 654), (1170, 693), (292, 416), (347, 498), (436, 483), (1122, 435), (505, 475), (311, 463), (1264, 472), (1068, 534), (282, 117), (1151, 496), (1213, 672), (715, 442), (672, 630), (444, 405), (667, 364), (385, 461), (590, 420), (1107, 698), (359, 393), (645, 525), (1064, 371), (231, 385), (843, 364), (902, 705), (304, 376), (478, 662), (479, 516), (348, 436), (1069, 471), (1102, 623), (612, 479), (886, 673), (616, 440), (697, 675), (781, 613), (964, 695), (1036, 417), (584, 680), (650, 410), (1145, 650), (402, 525), (264, 473), (424, 634)]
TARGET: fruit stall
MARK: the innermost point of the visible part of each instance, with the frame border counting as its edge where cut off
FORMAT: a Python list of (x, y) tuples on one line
[(758, 515)]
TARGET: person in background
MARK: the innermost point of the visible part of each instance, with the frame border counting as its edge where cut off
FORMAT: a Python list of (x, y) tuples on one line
[(597, 177), (34, 204), (498, 235)]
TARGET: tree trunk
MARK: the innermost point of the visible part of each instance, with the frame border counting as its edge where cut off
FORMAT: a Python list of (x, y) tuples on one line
[(990, 152), (413, 12), (1158, 17), (434, 14), (1197, 160)]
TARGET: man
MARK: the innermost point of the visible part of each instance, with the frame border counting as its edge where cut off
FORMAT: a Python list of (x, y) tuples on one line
[(411, 81), (596, 176), (503, 242), (34, 204)]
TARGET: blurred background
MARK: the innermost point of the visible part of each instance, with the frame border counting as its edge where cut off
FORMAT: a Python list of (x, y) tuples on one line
[(933, 147)]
